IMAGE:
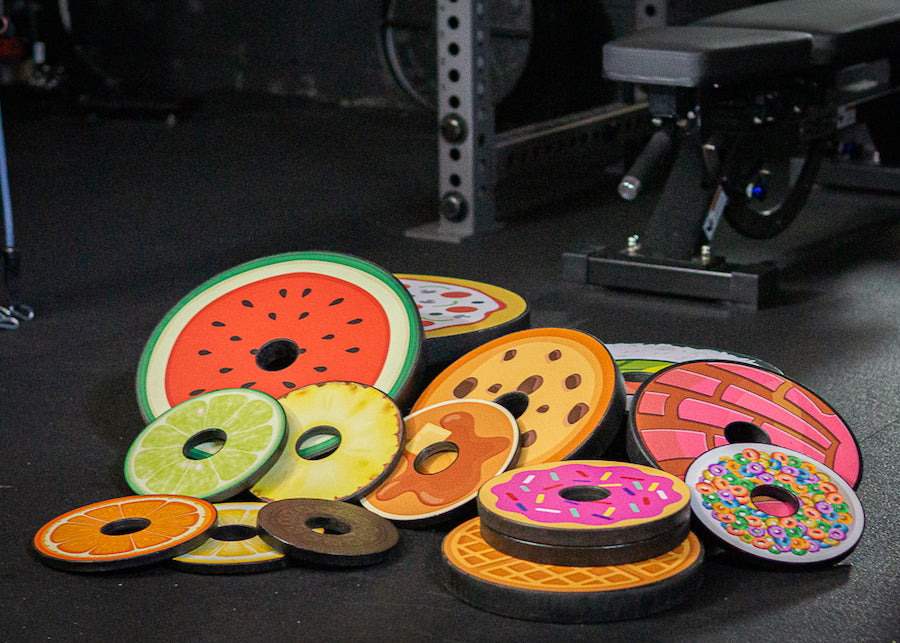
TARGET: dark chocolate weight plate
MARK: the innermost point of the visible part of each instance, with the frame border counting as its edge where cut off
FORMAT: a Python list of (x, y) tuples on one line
[(495, 582), (326, 532), (594, 512)]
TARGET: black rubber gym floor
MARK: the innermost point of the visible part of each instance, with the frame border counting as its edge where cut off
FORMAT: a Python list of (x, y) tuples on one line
[(117, 219)]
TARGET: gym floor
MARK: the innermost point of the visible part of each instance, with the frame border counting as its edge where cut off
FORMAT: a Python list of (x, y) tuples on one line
[(117, 219)]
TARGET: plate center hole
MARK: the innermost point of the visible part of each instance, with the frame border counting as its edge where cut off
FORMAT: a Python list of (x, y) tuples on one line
[(775, 501), (124, 526), (318, 442), (436, 458), (746, 432), (204, 444), (233, 533), (584, 493), (277, 354), (515, 402), (328, 525)]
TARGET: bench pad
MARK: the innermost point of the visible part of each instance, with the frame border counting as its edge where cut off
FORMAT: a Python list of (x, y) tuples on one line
[(844, 32), (693, 56)]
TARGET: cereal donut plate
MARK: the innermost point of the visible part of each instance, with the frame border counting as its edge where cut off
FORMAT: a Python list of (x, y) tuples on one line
[(775, 505), (585, 512)]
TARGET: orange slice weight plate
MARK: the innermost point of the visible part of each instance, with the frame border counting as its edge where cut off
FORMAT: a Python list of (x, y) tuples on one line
[(459, 315), (571, 390), (280, 323), (234, 546), (495, 582), (124, 532)]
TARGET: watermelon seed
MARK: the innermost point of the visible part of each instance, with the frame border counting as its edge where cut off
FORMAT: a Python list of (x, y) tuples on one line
[(353, 350), (336, 301), (283, 292), (355, 321), (247, 303), (204, 352), (235, 338), (277, 354), (248, 384), (288, 384), (328, 337), (306, 291), (320, 369), (218, 323), (254, 351), (272, 316), (196, 392), (302, 315), (225, 370)]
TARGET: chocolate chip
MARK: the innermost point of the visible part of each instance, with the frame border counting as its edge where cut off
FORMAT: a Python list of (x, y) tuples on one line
[(573, 381), (465, 387), (495, 388), (554, 355), (578, 411), (508, 355), (528, 438), (543, 408), (531, 384)]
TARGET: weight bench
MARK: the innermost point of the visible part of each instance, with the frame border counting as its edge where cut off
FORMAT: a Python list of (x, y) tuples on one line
[(746, 104)]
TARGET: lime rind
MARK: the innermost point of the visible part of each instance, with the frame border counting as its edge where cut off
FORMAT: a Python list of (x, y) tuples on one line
[(255, 429)]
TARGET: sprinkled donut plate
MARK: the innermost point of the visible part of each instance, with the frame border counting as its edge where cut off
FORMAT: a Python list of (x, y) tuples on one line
[(344, 438), (638, 362), (124, 532), (279, 323), (690, 408), (326, 532), (452, 448), (459, 315), (562, 386), (585, 512), (775, 505), (495, 582), (233, 546)]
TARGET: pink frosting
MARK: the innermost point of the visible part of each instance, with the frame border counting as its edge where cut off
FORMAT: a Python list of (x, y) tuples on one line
[(634, 494)]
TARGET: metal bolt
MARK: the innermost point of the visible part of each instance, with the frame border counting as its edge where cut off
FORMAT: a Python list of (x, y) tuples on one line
[(454, 207), (453, 128)]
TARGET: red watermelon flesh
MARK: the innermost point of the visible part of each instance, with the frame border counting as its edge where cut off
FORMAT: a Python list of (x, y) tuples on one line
[(278, 334)]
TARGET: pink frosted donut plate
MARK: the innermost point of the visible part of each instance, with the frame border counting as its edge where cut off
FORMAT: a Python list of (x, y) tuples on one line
[(584, 512)]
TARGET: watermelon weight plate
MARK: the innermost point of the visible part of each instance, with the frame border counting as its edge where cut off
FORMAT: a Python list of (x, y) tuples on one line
[(280, 323)]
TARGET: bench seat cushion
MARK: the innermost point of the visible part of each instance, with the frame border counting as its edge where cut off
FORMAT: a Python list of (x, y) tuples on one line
[(694, 56), (844, 32)]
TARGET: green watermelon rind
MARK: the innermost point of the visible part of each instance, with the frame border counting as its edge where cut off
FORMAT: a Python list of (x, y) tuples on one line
[(416, 330)]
